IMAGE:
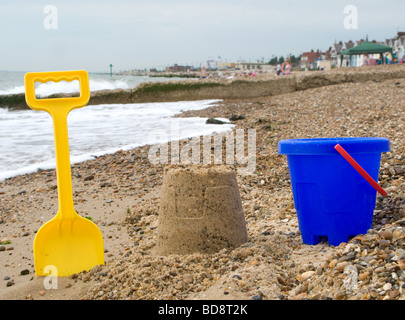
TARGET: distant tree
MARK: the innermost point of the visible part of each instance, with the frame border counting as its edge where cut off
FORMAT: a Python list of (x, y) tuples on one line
[(273, 61), (294, 59)]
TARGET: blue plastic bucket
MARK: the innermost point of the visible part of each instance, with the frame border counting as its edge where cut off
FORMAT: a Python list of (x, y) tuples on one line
[(331, 198)]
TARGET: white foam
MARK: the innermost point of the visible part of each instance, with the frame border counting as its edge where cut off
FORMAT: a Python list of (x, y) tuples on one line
[(14, 90), (49, 88), (27, 142)]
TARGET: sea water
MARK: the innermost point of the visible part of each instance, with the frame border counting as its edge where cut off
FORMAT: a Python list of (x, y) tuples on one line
[(27, 141), (13, 83), (26, 136)]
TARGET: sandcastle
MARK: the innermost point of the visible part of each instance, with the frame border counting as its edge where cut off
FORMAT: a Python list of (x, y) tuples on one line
[(200, 211)]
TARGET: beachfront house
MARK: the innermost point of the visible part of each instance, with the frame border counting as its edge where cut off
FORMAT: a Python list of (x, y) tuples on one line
[(389, 42), (398, 45), (346, 59), (177, 68), (226, 65), (323, 62), (399, 48), (308, 59), (335, 54), (252, 66)]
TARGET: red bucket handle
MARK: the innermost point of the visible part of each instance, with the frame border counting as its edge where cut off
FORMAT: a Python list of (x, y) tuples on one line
[(360, 170)]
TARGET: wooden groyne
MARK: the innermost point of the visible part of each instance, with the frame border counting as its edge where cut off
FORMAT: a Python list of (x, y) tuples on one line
[(237, 88)]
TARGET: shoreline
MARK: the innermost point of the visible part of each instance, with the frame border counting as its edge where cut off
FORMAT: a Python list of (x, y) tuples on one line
[(120, 192), (219, 88), (101, 147)]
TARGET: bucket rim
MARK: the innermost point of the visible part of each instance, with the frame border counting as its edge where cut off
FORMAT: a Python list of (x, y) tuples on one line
[(316, 146)]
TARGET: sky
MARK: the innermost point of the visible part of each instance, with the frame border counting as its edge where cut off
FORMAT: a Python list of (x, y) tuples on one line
[(49, 35)]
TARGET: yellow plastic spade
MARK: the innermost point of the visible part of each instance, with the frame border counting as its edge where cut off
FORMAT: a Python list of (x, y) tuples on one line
[(68, 243)]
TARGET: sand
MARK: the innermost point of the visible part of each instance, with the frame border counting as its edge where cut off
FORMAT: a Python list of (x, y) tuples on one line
[(121, 193), (200, 211)]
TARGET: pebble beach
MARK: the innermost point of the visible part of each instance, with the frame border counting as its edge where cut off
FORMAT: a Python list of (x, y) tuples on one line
[(120, 192)]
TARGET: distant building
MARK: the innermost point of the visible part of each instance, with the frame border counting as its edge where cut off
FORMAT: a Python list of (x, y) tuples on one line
[(397, 44), (335, 51), (308, 59), (348, 45), (226, 65), (177, 68), (337, 48), (252, 66), (323, 64), (346, 59)]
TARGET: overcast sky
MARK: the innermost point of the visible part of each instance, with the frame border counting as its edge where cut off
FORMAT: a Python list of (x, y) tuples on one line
[(129, 34)]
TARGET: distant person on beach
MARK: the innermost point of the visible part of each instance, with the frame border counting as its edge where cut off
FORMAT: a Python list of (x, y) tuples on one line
[(365, 59), (287, 68), (203, 73), (278, 70), (394, 58), (387, 59)]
